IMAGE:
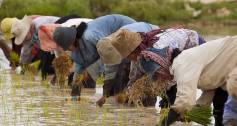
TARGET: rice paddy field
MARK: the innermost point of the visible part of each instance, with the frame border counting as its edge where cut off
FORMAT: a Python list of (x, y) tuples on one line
[(27, 101)]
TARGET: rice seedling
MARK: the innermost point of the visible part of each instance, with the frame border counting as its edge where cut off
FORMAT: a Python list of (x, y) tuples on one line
[(45, 110), (100, 80), (14, 58), (104, 117), (78, 117), (144, 88), (121, 97), (33, 67), (62, 66), (199, 114)]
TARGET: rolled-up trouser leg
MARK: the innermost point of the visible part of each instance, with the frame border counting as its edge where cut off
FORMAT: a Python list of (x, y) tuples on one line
[(218, 103)]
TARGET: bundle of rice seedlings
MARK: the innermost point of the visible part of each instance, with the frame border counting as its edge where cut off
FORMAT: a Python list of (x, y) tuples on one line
[(200, 114), (143, 88), (80, 78), (33, 67), (121, 97), (62, 66), (139, 90), (14, 58)]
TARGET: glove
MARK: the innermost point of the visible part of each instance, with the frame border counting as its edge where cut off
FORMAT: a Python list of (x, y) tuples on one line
[(172, 117)]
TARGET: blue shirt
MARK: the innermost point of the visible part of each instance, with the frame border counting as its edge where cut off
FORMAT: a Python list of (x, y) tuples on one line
[(86, 53)]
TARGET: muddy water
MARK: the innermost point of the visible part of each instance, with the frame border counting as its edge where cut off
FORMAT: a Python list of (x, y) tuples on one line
[(26, 102)]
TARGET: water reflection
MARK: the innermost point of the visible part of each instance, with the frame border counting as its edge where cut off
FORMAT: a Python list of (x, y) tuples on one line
[(27, 102)]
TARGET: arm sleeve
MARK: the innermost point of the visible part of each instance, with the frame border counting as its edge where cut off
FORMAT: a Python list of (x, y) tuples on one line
[(187, 77), (78, 69), (26, 56)]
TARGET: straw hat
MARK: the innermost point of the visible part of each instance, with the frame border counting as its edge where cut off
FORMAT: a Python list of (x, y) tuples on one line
[(20, 29), (6, 25), (108, 54), (125, 42), (118, 46)]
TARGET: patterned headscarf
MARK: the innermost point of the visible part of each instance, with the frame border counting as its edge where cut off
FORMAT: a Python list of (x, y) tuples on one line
[(149, 38), (156, 61)]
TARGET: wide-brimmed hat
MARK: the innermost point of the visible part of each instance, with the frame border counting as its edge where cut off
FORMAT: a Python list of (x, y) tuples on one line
[(125, 42), (45, 34), (108, 54), (65, 36), (6, 25), (20, 29)]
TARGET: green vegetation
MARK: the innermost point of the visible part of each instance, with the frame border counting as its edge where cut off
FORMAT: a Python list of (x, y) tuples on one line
[(155, 11)]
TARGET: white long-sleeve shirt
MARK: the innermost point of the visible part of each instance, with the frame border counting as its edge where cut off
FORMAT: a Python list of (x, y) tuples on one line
[(205, 67)]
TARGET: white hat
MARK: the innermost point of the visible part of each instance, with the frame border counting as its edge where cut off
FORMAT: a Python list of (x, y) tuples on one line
[(20, 29)]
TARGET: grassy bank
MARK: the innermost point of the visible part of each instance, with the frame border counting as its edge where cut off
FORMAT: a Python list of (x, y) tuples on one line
[(162, 12)]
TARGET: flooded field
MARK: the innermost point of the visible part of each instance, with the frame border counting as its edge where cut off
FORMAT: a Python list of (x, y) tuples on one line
[(24, 102)]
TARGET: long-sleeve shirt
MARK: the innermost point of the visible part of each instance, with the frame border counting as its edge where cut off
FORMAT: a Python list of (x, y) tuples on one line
[(205, 67)]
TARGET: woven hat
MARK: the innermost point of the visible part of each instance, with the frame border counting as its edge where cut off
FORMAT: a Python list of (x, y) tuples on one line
[(125, 42), (20, 29), (6, 25), (108, 54)]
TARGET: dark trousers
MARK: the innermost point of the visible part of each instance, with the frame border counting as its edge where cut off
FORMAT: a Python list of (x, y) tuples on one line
[(218, 105), (169, 97)]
